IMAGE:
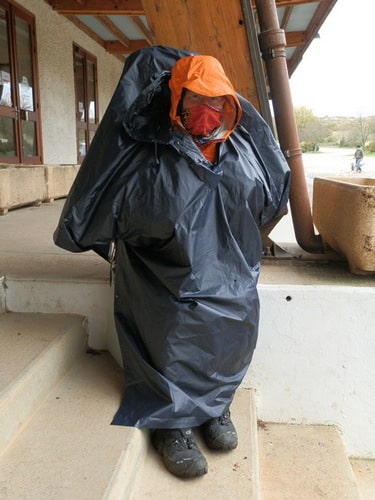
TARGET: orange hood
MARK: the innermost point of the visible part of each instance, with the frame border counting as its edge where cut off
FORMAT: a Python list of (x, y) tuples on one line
[(204, 75)]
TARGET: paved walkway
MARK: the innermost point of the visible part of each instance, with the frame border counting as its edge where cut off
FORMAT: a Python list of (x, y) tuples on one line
[(27, 248), (27, 251), (335, 162)]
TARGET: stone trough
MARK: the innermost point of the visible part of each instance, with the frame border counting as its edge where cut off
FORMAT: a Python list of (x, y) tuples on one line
[(22, 185), (344, 215)]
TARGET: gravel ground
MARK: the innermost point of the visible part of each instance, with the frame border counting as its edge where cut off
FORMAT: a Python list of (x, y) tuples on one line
[(335, 162)]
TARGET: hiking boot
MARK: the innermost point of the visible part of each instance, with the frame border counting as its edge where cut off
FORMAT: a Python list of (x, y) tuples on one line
[(219, 433), (180, 453)]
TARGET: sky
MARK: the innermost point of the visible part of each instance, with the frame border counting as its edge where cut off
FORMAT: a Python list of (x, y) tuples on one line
[(336, 76)]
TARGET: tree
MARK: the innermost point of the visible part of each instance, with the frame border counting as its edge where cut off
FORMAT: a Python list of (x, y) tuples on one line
[(312, 130), (363, 130)]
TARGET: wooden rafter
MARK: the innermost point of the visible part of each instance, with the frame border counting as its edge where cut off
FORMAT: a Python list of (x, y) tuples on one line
[(110, 25), (325, 6), (83, 27), (286, 3), (114, 47), (291, 3), (295, 38), (98, 7), (142, 28), (286, 17), (184, 12)]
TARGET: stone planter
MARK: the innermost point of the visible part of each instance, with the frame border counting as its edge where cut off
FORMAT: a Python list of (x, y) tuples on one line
[(344, 215), (22, 185), (59, 179)]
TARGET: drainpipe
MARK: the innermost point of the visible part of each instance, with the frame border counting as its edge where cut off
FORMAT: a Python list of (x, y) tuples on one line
[(272, 43)]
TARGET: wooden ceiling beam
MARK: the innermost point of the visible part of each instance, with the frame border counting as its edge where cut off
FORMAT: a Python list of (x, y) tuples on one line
[(324, 8), (115, 47), (291, 3), (295, 38), (105, 21), (83, 27), (142, 28), (286, 18), (98, 7), (286, 3)]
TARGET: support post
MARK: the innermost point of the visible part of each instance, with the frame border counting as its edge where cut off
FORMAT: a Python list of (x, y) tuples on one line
[(272, 43)]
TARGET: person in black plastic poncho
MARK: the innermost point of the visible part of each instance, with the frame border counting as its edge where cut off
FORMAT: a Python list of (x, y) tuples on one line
[(180, 177)]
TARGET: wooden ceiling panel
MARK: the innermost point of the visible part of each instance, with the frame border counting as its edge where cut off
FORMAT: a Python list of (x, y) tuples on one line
[(214, 28)]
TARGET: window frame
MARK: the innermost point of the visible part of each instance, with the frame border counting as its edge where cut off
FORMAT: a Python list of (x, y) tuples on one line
[(15, 112), (85, 125)]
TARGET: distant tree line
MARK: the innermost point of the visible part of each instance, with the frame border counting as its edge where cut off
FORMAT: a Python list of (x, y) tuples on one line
[(315, 131)]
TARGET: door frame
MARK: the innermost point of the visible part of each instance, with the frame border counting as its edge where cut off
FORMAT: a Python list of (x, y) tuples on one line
[(15, 112)]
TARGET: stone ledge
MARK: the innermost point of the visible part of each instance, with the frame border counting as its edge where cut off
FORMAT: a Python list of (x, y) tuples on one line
[(22, 185)]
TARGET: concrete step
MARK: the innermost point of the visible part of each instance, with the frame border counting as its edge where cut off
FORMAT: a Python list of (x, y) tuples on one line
[(364, 471), (304, 462), (230, 475), (41, 277), (35, 351), (69, 450), (89, 298)]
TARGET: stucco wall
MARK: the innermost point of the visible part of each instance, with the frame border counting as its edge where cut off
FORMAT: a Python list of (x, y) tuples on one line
[(55, 37), (314, 361)]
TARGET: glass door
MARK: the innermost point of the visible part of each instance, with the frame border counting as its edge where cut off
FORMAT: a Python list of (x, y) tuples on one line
[(85, 81), (20, 138)]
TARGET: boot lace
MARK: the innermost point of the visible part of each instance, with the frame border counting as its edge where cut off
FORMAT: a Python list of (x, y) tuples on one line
[(224, 419), (185, 440)]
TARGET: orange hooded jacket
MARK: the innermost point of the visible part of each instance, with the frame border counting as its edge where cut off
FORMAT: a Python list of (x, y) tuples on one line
[(204, 75)]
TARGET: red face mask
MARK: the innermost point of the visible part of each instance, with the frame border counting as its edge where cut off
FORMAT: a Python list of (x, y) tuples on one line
[(202, 119)]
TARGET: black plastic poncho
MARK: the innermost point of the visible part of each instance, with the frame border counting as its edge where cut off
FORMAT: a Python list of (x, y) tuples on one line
[(188, 245)]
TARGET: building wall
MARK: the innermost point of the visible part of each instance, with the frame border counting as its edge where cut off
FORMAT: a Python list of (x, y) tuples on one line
[(55, 36), (314, 361)]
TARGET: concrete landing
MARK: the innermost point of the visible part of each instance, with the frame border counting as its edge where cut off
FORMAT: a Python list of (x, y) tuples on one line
[(304, 462), (27, 250)]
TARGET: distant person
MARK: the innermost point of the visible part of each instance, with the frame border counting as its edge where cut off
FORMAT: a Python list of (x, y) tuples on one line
[(357, 159)]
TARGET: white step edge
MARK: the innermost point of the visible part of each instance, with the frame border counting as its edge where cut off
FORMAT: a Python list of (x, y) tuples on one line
[(128, 465), (91, 298), (19, 400)]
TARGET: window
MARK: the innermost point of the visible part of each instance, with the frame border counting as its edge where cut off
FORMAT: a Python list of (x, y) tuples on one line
[(20, 136), (85, 80)]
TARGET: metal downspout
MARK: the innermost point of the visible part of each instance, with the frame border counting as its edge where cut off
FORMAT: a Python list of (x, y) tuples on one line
[(272, 43)]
